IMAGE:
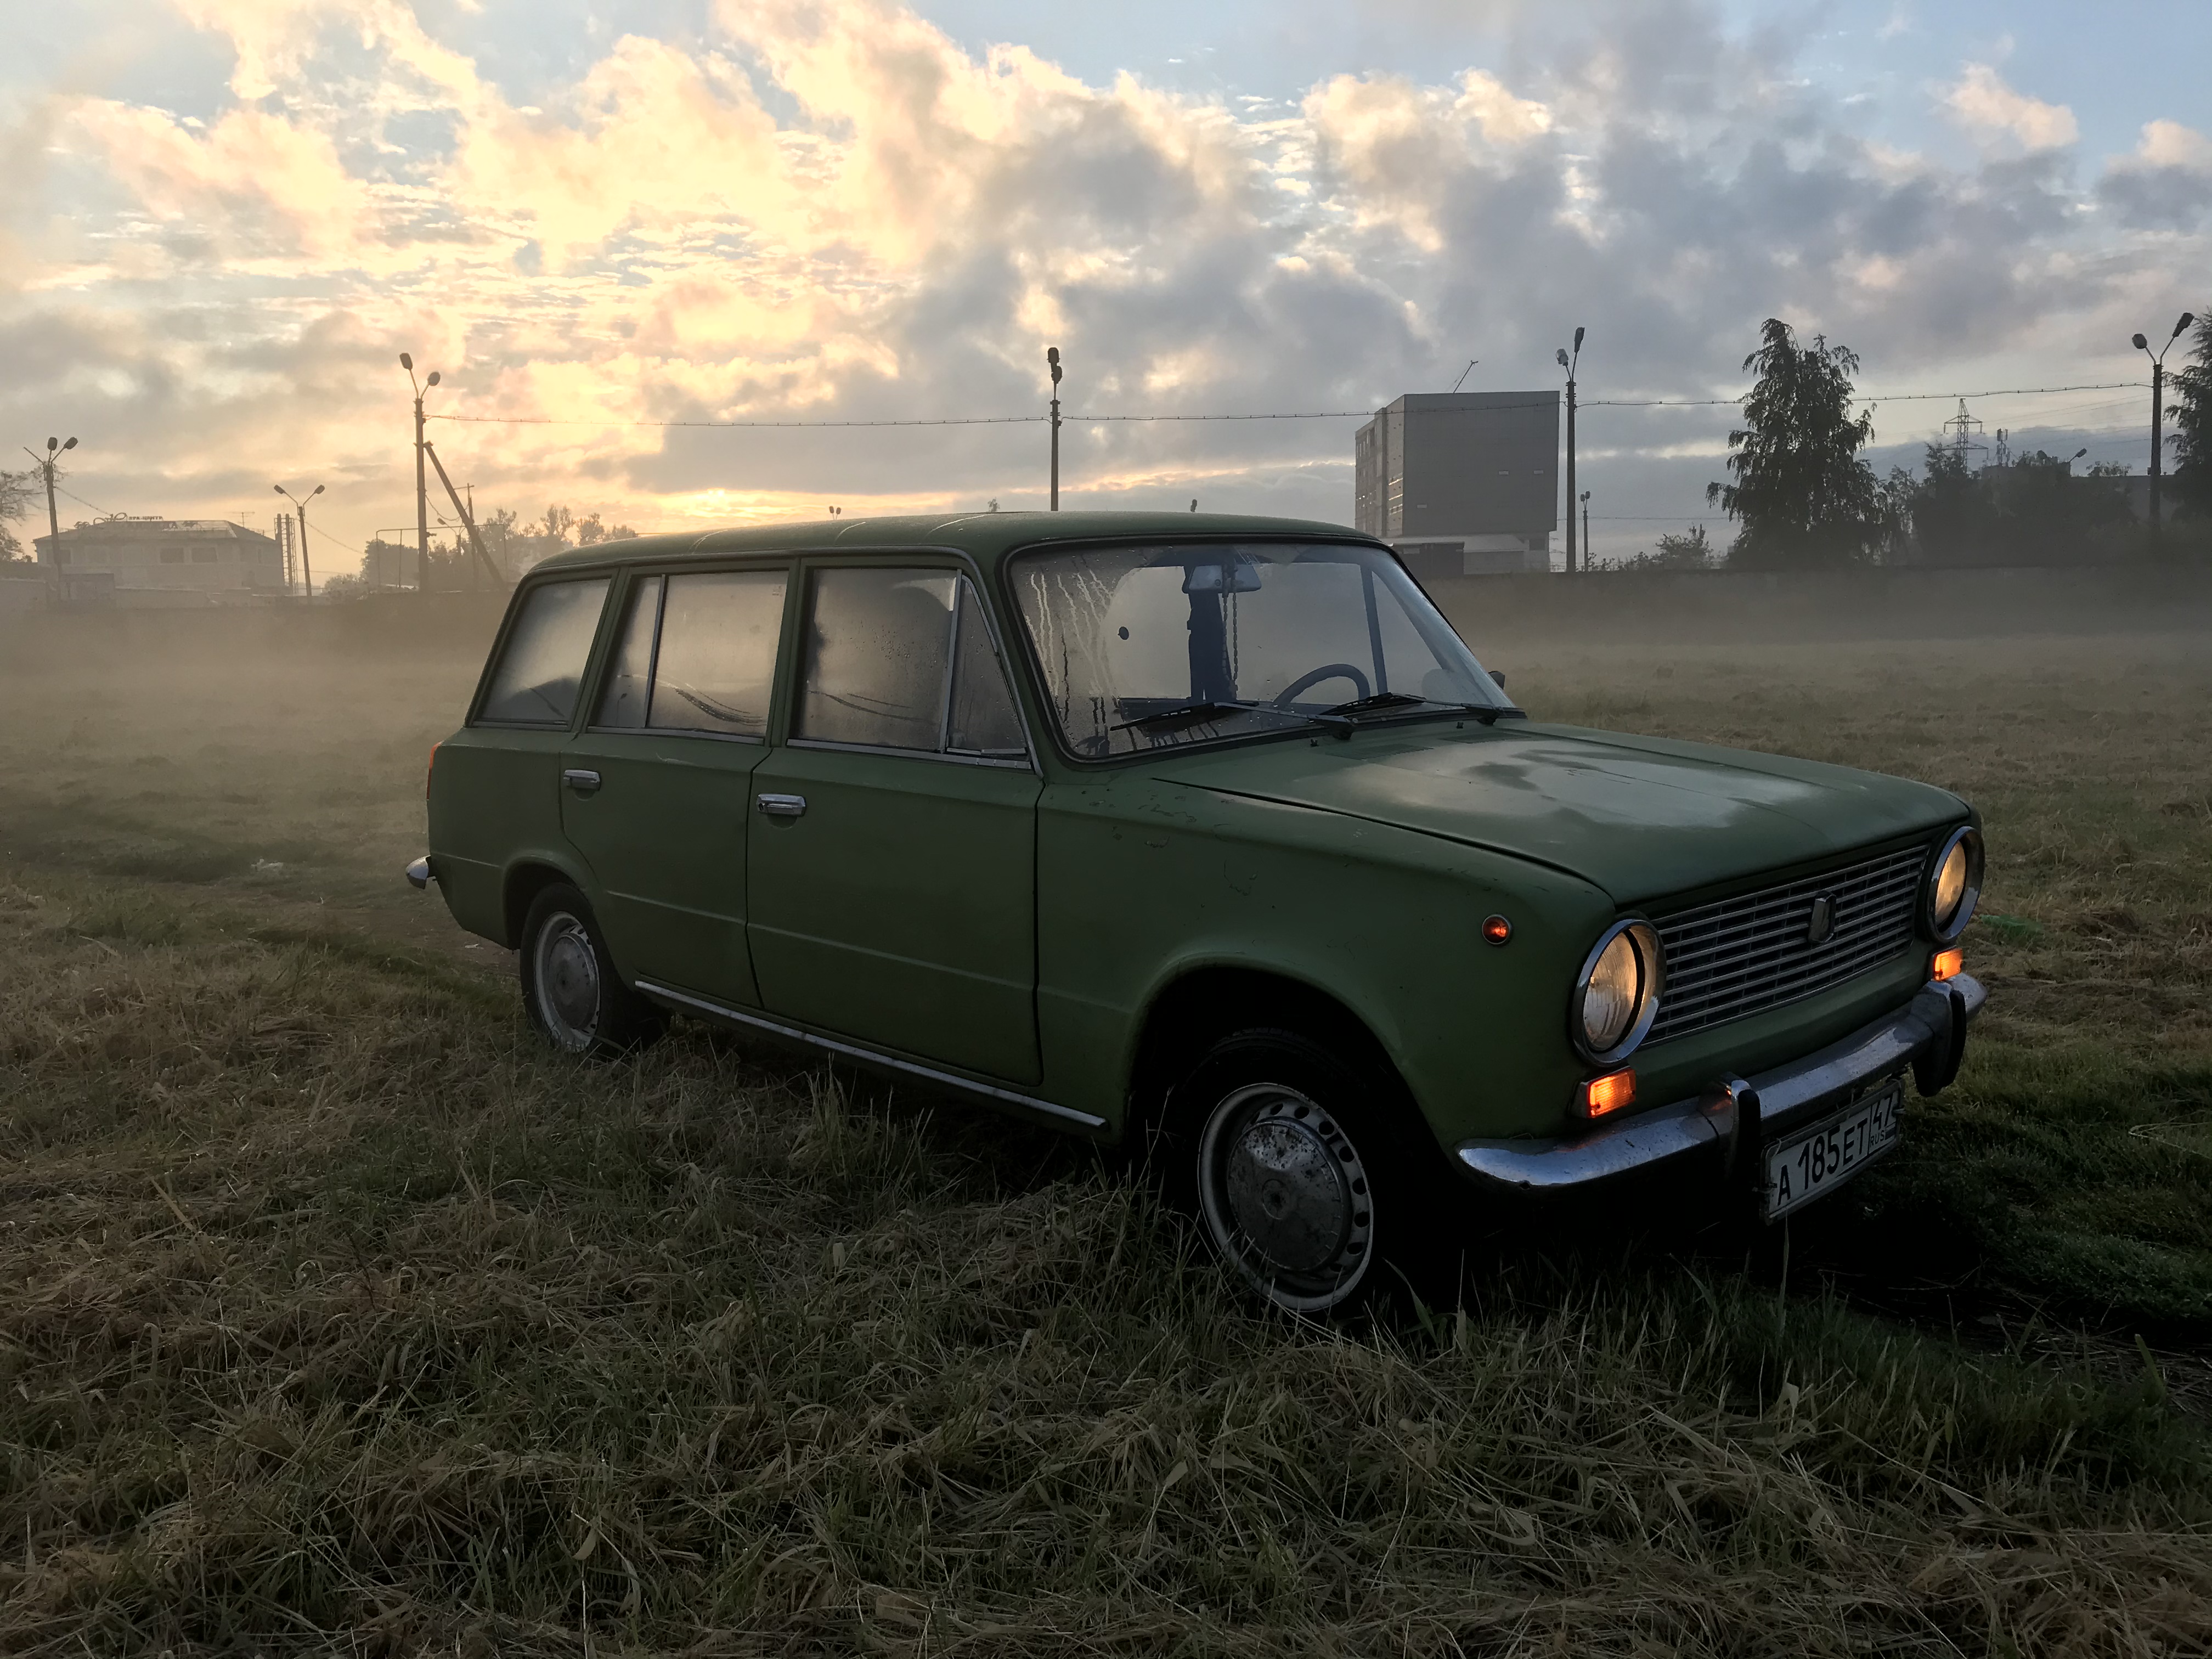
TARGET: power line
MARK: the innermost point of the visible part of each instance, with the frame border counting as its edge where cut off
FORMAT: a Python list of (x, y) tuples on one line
[(1285, 414)]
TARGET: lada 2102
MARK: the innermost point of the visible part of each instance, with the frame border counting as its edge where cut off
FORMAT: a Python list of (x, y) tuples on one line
[(1202, 833)]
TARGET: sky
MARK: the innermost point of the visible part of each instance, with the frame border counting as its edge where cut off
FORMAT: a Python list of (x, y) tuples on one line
[(617, 229)]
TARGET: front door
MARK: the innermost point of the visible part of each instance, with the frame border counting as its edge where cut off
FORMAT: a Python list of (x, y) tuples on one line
[(892, 889), (657, 794)]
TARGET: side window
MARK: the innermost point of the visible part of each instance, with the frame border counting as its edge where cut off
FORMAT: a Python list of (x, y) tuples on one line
[(629, 675), (902, 659), (539, 671), (715, 667)]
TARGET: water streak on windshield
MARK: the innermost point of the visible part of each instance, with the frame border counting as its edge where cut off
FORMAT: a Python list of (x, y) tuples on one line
[(1248, 638)]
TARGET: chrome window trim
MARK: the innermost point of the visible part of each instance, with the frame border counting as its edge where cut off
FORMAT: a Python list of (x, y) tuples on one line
[(1003, 763), (1970, 900), (1065, 1114), (1652, 989)]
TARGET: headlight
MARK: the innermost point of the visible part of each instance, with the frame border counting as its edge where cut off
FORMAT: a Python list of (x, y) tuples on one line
[(1617, 994), (1954, 883)]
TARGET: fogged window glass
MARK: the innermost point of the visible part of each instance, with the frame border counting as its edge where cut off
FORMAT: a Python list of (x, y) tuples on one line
[(716, 664), (878, 645), (543, 665), (983, 719), (629, 675), (1145, 647)]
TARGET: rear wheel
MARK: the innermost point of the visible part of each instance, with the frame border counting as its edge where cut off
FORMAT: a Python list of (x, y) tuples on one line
[(1301, 1178), (570, 985)]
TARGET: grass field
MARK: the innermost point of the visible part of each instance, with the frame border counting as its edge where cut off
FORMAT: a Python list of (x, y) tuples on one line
[(335, 1315)]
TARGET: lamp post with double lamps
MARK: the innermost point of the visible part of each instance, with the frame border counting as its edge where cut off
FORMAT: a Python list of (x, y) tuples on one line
[(422, 485), (306, 569), (2158, 410), (1052, 361), (47, 461)]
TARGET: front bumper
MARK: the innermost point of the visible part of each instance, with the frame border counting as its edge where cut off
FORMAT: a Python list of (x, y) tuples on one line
[(1737, 1114)]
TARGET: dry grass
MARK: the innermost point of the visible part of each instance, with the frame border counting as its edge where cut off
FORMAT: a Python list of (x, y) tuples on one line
[(335, 1315)]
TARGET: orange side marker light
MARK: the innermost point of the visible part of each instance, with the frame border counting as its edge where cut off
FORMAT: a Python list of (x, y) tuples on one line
[(1496, 930), (431, 769), (1950, 963), (1601, 1097)]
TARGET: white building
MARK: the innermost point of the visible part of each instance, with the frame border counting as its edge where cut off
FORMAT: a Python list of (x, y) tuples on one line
[(153, 562)]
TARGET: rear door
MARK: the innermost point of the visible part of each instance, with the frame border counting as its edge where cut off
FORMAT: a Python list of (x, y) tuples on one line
[(892, 864), (656, 794), (495, 787)]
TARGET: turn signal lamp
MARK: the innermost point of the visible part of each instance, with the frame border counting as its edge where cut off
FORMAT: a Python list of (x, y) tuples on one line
[(1950, 963), (430, 770), (1601, 1097), (1496, 930)]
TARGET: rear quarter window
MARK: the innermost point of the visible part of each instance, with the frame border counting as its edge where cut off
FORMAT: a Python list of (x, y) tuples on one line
[(541, 665)]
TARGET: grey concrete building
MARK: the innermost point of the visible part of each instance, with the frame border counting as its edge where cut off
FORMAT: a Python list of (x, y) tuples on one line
[(151, 562), (1463, 483)]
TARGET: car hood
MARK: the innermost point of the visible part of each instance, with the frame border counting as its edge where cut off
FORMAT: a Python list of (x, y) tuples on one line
[(1641, 818)]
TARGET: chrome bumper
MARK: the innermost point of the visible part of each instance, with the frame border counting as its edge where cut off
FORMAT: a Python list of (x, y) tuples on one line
[(420, 875), (1928, 1033)]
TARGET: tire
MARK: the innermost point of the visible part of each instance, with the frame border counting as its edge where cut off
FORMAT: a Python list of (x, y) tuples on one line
[(571, 988), (1303, 1175)]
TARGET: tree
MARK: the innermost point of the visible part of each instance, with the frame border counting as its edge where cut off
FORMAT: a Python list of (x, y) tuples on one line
[(1676, 552), (2192, 424), (18, 494), (1801, 491)]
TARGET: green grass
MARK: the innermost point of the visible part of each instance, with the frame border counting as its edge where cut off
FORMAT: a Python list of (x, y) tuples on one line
[(336, 1315)]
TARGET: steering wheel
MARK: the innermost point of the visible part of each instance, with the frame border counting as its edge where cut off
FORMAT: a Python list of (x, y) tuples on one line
[(1316, 677)]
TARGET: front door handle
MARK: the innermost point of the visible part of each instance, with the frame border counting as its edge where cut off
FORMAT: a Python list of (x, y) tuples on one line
[(584, 782), (782, 806)]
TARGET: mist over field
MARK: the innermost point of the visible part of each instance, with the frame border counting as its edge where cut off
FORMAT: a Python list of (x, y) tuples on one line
[(334, 1303)]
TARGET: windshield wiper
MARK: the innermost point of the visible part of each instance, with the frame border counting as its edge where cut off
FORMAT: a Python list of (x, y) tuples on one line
[(1383, 702), (1189, 713)]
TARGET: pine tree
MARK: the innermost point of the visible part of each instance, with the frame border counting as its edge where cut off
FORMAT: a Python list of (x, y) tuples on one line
[(1802, 495), (2193, 425)]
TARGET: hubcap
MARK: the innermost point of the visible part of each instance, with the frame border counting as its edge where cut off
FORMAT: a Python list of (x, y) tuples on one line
[(567, 981), (1286, 1196)]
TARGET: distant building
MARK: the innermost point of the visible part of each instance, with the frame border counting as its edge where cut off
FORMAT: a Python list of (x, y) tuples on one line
[(149, 562), (1463, 483)]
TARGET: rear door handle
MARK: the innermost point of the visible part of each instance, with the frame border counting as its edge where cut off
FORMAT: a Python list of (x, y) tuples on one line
[(582, 781), (782, 806)]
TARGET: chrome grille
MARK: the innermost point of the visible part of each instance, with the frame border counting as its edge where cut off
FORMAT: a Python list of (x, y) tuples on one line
[(1743, 955)]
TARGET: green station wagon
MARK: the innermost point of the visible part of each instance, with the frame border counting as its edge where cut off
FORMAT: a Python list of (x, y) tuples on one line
[(1207, 835)]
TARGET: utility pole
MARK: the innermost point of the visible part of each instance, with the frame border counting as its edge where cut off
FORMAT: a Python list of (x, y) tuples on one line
[(421, 481), (1052, 358), (47, 461), (307, 566), (2157, 414), (1586, 541), (1569, 364)]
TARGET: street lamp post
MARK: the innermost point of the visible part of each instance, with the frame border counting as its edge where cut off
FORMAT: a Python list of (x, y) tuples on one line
[(47, 461), (421, 482), (307, 569), (1569, 364), (1586, 541), (1052, 359), (2157, 411)]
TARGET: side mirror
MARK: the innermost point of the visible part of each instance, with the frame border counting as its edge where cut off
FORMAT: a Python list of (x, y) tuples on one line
[(1499, 677)]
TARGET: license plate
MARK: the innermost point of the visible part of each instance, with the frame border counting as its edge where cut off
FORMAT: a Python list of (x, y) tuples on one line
[(1816, 1161)]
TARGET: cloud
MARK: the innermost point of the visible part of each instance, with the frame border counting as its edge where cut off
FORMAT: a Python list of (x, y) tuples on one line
[(2166, 183), (1984, 105), (830, 209)]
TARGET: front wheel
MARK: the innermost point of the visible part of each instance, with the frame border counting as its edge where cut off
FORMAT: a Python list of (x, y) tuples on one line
[(570, 986), (1295, 1174)]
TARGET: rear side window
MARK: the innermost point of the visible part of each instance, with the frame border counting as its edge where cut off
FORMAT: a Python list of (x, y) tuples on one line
[(715, 664), (903, 659), (629, 676), (542, 665)]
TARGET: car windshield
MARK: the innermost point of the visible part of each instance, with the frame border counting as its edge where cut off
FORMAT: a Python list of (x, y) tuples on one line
[(1146, 647)]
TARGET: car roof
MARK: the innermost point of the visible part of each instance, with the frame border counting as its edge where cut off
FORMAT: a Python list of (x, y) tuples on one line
[(987, 535)]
